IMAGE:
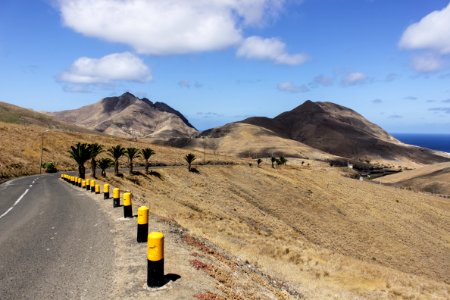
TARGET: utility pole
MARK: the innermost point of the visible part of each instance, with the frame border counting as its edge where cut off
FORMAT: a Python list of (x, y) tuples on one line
[(42, 151)]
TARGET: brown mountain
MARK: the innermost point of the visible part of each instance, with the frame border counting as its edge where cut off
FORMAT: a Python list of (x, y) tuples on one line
[(130, 116), (10, 113), (341, 131)]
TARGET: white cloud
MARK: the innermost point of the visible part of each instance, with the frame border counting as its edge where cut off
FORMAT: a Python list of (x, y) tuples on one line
[(168, 27), (112, 67), (323, 80), (377, 101), (427, 63), (431, 32), (290, 87), (273, 49), (354, 78)]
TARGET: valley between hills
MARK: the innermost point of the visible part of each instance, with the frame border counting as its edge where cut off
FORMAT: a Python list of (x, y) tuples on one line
[(312, 229)]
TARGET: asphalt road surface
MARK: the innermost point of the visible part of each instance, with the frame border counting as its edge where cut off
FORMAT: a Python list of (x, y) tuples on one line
[(54, 242)]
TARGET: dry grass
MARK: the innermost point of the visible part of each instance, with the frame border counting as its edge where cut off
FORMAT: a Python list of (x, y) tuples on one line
[(21, 149), (433, 179), (246, 140), (327, 235), (307, 227)]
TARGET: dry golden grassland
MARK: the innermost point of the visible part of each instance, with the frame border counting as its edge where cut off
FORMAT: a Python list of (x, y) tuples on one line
[(433, 179), (328, 235), (309, 227), (20, 149)]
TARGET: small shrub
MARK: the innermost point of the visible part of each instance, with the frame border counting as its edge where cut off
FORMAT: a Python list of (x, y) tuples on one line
[(50, 167)]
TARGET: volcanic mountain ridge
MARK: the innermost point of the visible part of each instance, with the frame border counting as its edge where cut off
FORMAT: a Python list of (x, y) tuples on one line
[(130, 117)]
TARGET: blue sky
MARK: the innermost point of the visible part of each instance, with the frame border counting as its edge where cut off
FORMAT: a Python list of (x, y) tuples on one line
[(223, 60)]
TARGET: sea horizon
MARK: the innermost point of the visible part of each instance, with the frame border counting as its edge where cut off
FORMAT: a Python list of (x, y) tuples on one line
[(434, 141)]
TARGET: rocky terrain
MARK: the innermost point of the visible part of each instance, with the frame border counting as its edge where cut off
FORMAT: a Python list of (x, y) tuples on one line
[(131, 117), (343, 132), (304, 230)]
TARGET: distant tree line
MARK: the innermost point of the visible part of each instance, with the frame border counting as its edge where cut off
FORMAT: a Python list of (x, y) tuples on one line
[(83, 152)]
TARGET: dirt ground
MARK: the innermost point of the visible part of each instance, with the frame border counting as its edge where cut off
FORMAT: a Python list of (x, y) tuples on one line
[(194, 267)]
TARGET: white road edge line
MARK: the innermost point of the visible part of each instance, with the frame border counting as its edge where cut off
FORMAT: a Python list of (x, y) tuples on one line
[(6, 212), (15, 203), (20, 198)]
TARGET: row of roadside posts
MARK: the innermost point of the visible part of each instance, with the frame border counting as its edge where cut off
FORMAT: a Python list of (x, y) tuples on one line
[(154, 240)]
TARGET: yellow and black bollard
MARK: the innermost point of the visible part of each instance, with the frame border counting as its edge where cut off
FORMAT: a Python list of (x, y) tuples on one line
[(142, 227), (106, 191), (116, 197), (79, 182), (88, 184), (83, 184), (97, 189), (155, 259), (127, 208), (92, 185)]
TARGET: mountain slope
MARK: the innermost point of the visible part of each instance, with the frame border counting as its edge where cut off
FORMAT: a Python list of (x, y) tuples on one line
[(17, 115), (341, 131), (433, 179), (130, 116), (247, 140)]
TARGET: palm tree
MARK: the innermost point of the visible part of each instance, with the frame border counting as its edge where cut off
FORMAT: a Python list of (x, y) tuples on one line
[(281, 161), (189, 159), (259, 161), (147, 153), (80, 153), (132, 153), (105, 163), (116, 152), (96, 149), (273, 160)]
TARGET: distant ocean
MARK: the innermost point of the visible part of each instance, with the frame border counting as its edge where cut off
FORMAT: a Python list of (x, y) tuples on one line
[(439, 142)]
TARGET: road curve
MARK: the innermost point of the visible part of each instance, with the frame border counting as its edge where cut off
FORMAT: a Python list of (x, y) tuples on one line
[(55, 243)]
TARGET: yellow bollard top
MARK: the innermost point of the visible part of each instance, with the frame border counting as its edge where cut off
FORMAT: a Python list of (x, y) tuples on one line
[(97, 188), (83, 183), (87, 182), (127, 199), (92, 182), (143, 215), (106, 188), (155, 246), (79, 180), (116, 193)]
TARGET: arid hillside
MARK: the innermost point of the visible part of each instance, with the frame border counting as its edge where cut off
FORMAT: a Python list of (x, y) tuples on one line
[(21, 149), (338, 130), (310, 227), (246, 140), (432, 179), (130, 117), (17, 115)]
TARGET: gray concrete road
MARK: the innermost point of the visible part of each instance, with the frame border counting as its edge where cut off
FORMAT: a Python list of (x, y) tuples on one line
[(55, 243)]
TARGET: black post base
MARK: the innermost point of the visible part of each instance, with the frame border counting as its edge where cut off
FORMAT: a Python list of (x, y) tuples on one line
[(127, 211), (106, 196), (97, 192), (92, 189), (116, 202), (155, 273), (142, 233)]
